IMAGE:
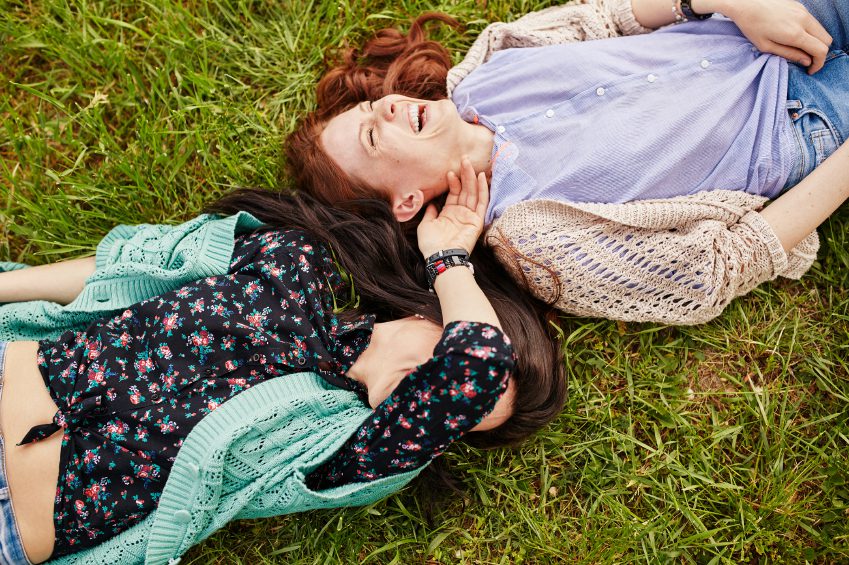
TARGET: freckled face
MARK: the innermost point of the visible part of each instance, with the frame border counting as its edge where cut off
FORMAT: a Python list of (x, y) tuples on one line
[(397, 143)]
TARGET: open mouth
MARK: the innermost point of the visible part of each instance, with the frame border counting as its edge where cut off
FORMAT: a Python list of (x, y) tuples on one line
[(418, 116)]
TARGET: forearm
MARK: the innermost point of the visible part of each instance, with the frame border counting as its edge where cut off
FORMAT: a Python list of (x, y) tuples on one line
[(799, 211), (461, 299), (658, 13), (58, 282)]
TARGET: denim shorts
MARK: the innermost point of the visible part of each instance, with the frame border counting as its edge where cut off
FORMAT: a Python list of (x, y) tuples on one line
[(11, 545), (818, 105)]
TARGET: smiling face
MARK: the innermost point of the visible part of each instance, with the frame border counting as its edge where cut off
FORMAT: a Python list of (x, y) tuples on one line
[(401, 146)]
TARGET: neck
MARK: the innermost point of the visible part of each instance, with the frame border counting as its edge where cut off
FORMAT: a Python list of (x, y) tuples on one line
[(478, 142)]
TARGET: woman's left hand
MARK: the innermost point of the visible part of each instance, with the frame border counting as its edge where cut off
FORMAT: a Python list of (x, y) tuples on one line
[(460, 222), (784, 28)]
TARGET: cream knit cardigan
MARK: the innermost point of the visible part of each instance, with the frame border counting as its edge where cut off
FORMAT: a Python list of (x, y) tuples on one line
[(676, 261)]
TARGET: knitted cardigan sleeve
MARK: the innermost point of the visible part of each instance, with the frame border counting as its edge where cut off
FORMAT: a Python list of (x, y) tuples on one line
[(675, 261), (575, 21), (132, 263)]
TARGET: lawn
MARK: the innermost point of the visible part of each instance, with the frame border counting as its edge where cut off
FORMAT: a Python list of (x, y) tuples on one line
[(724, 443)]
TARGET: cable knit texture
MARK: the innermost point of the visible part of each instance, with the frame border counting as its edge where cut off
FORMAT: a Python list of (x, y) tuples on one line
[(676, 261)]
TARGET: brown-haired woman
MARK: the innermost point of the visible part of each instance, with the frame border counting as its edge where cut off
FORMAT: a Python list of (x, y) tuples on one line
[(105, 411), (628, 175)]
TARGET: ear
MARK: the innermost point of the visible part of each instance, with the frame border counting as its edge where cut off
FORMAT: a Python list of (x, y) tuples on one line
[(407, 204)]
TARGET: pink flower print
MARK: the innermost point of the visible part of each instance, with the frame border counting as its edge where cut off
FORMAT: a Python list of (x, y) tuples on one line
[(122, 341), (144, 366), (96, 375), (230, 365), (218, 309), (228, 343), (135, 395), (212, 405), (184, 293), (405, 423), (201, 338), (488, 332), (127, 480), (164, 352), (117, 427), (251, 289), (256, 319), (482, 352), (454, 422), (411, 446), (304, 264), (79, 506), (89, 456), (197, 306), (468, 389), (166, 426), (126, 314), (170, 322), (307, 248), (237, 382), (93, 350)]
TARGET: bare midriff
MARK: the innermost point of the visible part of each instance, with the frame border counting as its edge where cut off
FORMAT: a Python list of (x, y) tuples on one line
[(32, 469)]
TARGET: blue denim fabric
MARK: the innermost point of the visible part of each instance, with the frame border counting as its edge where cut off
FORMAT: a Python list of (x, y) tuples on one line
[(11, 546), (819, 104)]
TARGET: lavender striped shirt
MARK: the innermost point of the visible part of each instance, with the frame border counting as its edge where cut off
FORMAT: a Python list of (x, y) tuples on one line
[(688, 108)]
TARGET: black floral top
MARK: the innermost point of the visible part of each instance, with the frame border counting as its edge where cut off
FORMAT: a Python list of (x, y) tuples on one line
[(130, 388)]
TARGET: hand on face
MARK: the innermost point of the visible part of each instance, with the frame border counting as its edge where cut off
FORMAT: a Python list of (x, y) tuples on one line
[(460, 222)]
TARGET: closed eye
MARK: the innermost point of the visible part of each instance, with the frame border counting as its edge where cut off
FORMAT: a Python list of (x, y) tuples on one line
[(371, 138)]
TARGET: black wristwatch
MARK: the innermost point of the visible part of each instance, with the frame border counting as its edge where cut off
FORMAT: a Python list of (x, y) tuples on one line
[(689, 14)]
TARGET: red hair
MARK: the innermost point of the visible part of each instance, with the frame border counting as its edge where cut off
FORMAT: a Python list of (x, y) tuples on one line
[(389, 63)]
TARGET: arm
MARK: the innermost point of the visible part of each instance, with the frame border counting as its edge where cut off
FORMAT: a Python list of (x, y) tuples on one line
[(58, 282), (781, 27), (798, 212), (451, 393), (678, 261)]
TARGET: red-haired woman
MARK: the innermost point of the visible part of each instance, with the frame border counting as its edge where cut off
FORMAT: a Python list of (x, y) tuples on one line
[(628, 175)]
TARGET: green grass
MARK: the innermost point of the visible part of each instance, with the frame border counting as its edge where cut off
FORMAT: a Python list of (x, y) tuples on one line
[(724, 443)]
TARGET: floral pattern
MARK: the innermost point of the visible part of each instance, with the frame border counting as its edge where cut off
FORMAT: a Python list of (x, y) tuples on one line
[(130, 388)]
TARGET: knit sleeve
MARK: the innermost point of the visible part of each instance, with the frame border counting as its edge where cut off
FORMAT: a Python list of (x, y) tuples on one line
[(582, 21), (430, 408), (685, 271)]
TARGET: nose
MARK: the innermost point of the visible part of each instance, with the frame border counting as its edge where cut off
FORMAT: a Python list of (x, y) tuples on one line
[(388, 110)]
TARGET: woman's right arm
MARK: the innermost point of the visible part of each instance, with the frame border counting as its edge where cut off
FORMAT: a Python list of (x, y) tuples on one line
[(58, 282)]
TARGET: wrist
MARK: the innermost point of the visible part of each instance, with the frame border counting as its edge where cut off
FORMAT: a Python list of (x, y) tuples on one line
[(711, 6), (451, 278)]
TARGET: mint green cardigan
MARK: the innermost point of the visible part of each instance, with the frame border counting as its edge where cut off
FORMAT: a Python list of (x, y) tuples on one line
[(246, 459)]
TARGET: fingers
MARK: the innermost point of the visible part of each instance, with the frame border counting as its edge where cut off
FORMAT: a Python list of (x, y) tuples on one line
[(469, 193), (430, 213), (483, 196), (454, 189), (790, 53)]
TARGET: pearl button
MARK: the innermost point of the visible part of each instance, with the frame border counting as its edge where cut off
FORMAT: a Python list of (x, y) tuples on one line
[(651, 78), (501, 129), (599, 91), (705, 63), (549, 113)]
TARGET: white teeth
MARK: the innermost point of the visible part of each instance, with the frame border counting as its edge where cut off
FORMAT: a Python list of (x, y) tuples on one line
[(413, 111)]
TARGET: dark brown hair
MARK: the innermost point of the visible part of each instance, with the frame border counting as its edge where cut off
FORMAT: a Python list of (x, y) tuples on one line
[(389, 276), (389, 63)]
